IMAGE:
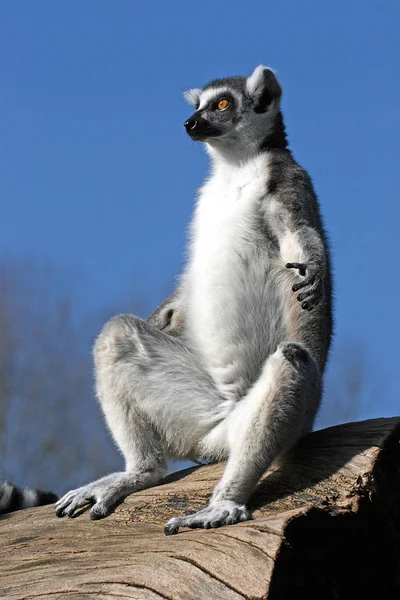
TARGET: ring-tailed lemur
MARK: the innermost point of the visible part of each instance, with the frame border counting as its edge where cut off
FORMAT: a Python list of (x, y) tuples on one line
[(230, 367), (13, 497)]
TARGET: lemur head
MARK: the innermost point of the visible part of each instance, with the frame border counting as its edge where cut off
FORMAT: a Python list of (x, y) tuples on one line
[(238, 116)]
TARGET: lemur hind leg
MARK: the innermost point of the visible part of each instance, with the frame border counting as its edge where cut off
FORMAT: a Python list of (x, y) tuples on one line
[(157, 400), (276, 412)]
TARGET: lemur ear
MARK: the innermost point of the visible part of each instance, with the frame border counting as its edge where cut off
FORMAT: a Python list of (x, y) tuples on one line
[(192, 96), (263, 88)]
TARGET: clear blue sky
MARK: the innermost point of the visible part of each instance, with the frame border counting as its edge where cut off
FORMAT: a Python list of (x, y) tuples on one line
[(97, 176)]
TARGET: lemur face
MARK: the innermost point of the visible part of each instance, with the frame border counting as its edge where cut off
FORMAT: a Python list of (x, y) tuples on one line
[(225, 107), (218, 109)]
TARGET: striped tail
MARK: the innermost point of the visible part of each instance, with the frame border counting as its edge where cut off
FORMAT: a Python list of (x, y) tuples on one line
[(13, 497)]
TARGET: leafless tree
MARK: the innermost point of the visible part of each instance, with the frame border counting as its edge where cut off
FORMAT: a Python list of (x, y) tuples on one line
[(51, 432), (349, 386)]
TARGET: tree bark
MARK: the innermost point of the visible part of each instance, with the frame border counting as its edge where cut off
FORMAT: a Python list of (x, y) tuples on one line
[(326, 523)]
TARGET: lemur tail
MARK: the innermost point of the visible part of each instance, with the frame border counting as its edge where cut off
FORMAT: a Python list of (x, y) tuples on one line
[(13, 497)]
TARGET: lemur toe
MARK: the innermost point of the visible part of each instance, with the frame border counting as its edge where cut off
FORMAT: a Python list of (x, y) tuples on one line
[(301, 267), (98, 512), (172, 527), (216, 524), (311, 303), (302, 284), (305, 295)]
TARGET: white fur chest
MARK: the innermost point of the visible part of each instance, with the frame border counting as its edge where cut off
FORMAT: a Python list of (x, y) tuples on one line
[(222, 237)]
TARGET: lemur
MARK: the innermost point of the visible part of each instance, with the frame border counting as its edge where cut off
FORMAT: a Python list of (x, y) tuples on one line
[(230, 367)]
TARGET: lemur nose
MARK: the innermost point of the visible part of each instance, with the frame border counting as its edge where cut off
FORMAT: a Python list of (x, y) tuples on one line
[(190, 124)]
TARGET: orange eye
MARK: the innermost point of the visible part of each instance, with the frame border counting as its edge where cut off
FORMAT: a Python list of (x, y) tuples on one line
[(223, 104)]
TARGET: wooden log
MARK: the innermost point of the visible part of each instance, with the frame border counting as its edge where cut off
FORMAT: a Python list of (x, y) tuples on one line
[(326, 522)]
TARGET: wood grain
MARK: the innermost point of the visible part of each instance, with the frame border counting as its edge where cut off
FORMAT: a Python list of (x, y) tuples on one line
[(326, 520)]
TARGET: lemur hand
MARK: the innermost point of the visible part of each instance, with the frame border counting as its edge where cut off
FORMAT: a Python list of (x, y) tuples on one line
[(312, 281)]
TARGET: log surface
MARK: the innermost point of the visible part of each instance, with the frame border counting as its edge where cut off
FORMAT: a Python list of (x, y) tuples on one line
[(326, 521)]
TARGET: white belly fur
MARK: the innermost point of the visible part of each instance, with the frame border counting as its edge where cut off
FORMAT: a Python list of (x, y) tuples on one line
[(217, 278)]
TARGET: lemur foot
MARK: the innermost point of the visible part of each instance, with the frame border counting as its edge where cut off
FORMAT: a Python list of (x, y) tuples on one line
[(103, 495), (312, 281), (221, 513)]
